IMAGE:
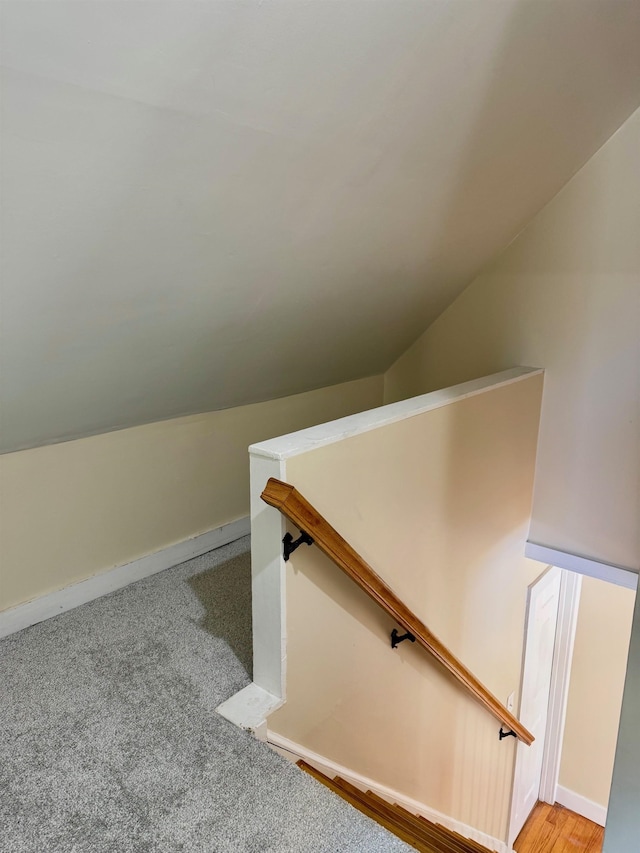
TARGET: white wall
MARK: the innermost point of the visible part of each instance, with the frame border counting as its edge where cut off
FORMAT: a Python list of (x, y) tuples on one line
[(72, 510), (564, 296), (210, 204)]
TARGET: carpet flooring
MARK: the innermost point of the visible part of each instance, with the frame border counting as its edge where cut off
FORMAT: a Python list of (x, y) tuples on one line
[(109, 740)]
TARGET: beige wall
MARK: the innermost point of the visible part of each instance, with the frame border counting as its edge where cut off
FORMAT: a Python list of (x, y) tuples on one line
[(72, 510), (595, 691), (564, 296), (439, 505), (623, 819)]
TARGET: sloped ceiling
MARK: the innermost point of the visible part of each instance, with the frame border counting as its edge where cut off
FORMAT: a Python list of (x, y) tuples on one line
[(207, 204)]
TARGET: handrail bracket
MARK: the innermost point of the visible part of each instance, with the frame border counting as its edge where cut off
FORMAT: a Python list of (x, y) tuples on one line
[(289, 544), (502, 734), (396, 638)]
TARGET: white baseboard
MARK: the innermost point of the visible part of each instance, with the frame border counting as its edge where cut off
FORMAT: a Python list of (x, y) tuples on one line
[(581, 805), (39, 609), (331, 768)]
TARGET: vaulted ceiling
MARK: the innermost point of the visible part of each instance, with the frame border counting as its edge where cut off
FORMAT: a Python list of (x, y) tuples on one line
[(207, 204)]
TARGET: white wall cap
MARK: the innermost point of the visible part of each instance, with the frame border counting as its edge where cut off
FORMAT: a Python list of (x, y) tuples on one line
[(295, 443)]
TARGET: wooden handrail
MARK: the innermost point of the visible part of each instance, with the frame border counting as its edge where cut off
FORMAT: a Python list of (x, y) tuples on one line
[(300, 512)]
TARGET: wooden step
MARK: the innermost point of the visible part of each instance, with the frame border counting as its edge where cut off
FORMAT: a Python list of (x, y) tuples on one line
[(359, 802), (394, 819), (415, 830), (427, 834), (471, 844)]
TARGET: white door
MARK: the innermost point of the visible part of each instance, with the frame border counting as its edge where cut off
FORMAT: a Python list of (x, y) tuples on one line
[(540, 632)]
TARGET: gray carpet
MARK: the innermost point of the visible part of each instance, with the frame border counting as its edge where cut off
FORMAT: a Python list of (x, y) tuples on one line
[(110, 741)]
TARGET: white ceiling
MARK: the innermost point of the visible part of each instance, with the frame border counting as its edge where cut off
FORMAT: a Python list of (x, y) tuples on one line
[(207, 204)]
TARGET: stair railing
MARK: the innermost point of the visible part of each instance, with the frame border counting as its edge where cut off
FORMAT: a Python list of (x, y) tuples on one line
[(315, 529)]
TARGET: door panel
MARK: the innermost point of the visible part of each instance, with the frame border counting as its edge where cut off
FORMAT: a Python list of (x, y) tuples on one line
[(540, 632)]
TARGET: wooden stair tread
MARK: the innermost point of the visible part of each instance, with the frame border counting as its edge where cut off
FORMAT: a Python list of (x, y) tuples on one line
[(385, 817), (415, 830), (428, 832), (438, 842), (471, 844), (468, 844), (397, 817), (360, 803)]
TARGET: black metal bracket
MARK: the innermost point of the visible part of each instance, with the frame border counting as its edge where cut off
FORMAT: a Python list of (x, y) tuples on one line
[(290, 544), (396, 638), (503, 735)]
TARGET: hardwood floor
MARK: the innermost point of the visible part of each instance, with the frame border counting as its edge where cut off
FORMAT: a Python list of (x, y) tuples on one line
[(554, 829)]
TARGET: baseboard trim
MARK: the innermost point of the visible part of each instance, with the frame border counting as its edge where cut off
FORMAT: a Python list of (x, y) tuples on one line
[(330, 768), (581, 805), (54, 603)]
